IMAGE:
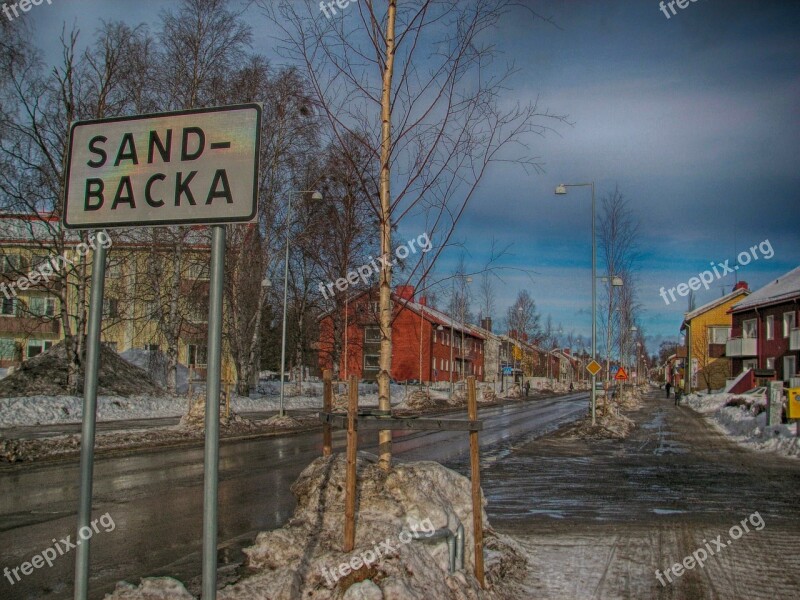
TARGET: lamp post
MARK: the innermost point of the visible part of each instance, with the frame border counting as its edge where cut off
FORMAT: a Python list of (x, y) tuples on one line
[(316, 196), (561, 190)]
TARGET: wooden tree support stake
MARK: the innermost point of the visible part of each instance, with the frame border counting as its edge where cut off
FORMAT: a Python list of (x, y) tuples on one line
[(475, 467), (350, 481), (327, 406)]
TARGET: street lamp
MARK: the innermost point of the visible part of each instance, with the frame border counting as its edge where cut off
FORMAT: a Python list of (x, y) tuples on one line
[(561, 190), (316, 196)]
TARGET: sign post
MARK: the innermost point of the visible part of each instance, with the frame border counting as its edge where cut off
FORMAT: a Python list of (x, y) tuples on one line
[(594, 368), (89, 419), (186, 167)]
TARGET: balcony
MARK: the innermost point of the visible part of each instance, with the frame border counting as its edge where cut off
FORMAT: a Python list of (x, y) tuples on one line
[(740, 347), (794, 339)]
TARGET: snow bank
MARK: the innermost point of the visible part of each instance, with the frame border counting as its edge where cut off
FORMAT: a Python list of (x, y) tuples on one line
[(743, 426), (304, 558)]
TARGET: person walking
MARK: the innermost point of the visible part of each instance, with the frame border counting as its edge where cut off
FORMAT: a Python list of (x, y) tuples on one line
[(527, 388), (667, 387)]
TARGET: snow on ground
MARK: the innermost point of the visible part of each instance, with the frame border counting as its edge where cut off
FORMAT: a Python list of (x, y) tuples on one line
[(745, 427), (398, 553), (50, 410)]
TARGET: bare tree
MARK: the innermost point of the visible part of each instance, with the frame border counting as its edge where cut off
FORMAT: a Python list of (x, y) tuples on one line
[(415, 79), (33, 144), (618, 238), (522, 318)]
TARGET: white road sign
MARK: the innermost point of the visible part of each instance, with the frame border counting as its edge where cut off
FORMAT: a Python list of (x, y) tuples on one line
[(195, 166)]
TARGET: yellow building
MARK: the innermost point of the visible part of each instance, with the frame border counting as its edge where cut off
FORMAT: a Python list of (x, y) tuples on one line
[(156, 288), (706, 329)]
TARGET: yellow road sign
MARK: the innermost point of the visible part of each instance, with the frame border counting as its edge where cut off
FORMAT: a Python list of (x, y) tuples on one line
[(593, 367)]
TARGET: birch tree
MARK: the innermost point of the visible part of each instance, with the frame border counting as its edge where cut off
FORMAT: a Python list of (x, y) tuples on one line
[(417, 77)]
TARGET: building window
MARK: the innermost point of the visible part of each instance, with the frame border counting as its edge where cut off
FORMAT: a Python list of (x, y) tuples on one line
[(718, 335), (789, 367), (8, 307), (749, 329), (42, 306), (770, 363), (36, 347), (8, 349), (198, 270), (769, 327), (372, 334), (375, 308), (788, 323), (11, 263), (371, 362), (110, 307), (198, 355)]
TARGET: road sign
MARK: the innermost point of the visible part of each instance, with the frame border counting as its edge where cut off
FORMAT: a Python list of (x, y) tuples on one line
[(594, 367), (508, 371), (193, 166), (614, 369), (621, 375)]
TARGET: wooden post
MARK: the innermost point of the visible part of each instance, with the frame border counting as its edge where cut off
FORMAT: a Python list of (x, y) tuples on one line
[(350, 481), (327, 406), (475, 468), (228, 399)]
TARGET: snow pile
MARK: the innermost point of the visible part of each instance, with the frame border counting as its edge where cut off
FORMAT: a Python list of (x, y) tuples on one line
[(745, 422), (48, 410), (154, 588), (195, 418), (304, 558), (46, 375), (514, 392), (487, 395), (155, 363), (422, 399)]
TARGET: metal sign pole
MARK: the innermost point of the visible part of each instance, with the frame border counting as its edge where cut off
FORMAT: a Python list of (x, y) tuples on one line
[(89, 418), (211, 468)]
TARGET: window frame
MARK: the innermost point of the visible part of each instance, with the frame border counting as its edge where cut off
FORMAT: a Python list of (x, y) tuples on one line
[(769, 327), (787, 328), (376, 367)]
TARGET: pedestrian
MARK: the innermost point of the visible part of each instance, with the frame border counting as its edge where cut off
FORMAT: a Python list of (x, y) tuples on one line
[(527, 388), (678, 394), (667, 387), (571, 387)]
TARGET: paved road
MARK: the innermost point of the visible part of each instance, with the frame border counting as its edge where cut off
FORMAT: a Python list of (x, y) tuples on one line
[(598, 518), (155, 498)]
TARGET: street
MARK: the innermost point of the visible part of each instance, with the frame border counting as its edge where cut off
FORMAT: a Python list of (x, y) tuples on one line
[(598, 518), (155, 497)]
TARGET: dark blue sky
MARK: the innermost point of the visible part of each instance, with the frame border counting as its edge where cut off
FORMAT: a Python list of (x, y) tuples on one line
[(694, 118)]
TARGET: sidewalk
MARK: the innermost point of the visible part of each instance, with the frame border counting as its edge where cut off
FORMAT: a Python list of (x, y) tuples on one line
[(600, 516)]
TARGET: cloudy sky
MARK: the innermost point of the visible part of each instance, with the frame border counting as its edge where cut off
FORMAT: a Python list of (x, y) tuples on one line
[(694, 118)]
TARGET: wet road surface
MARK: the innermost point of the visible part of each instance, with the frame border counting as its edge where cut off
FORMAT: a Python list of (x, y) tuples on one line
[(599, 517), (155, 497)]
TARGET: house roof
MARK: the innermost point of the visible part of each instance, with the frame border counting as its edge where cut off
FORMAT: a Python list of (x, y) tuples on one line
[(786, 287), (438, 317), (712, 305)]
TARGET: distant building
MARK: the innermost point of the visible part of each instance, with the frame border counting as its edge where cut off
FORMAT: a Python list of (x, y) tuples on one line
[(706, 331), (32, 319), (764, 332), (427, 344)]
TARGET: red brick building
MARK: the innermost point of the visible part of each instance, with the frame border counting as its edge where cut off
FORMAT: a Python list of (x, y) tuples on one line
[(764, 332), (427, 345)]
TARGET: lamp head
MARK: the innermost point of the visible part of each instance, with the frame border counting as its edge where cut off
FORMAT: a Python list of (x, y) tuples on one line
[(316, 196), (561, 189)]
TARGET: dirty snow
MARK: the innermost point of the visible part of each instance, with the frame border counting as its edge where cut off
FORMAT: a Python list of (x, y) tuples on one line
[(296, 560), (745, 427)]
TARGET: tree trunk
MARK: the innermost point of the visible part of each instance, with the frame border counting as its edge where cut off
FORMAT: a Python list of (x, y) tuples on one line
[(384, 375)]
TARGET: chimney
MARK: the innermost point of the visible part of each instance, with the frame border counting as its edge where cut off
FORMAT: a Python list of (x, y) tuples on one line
[(423, 300), (405, 292), (741, 285), (487, 323)]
